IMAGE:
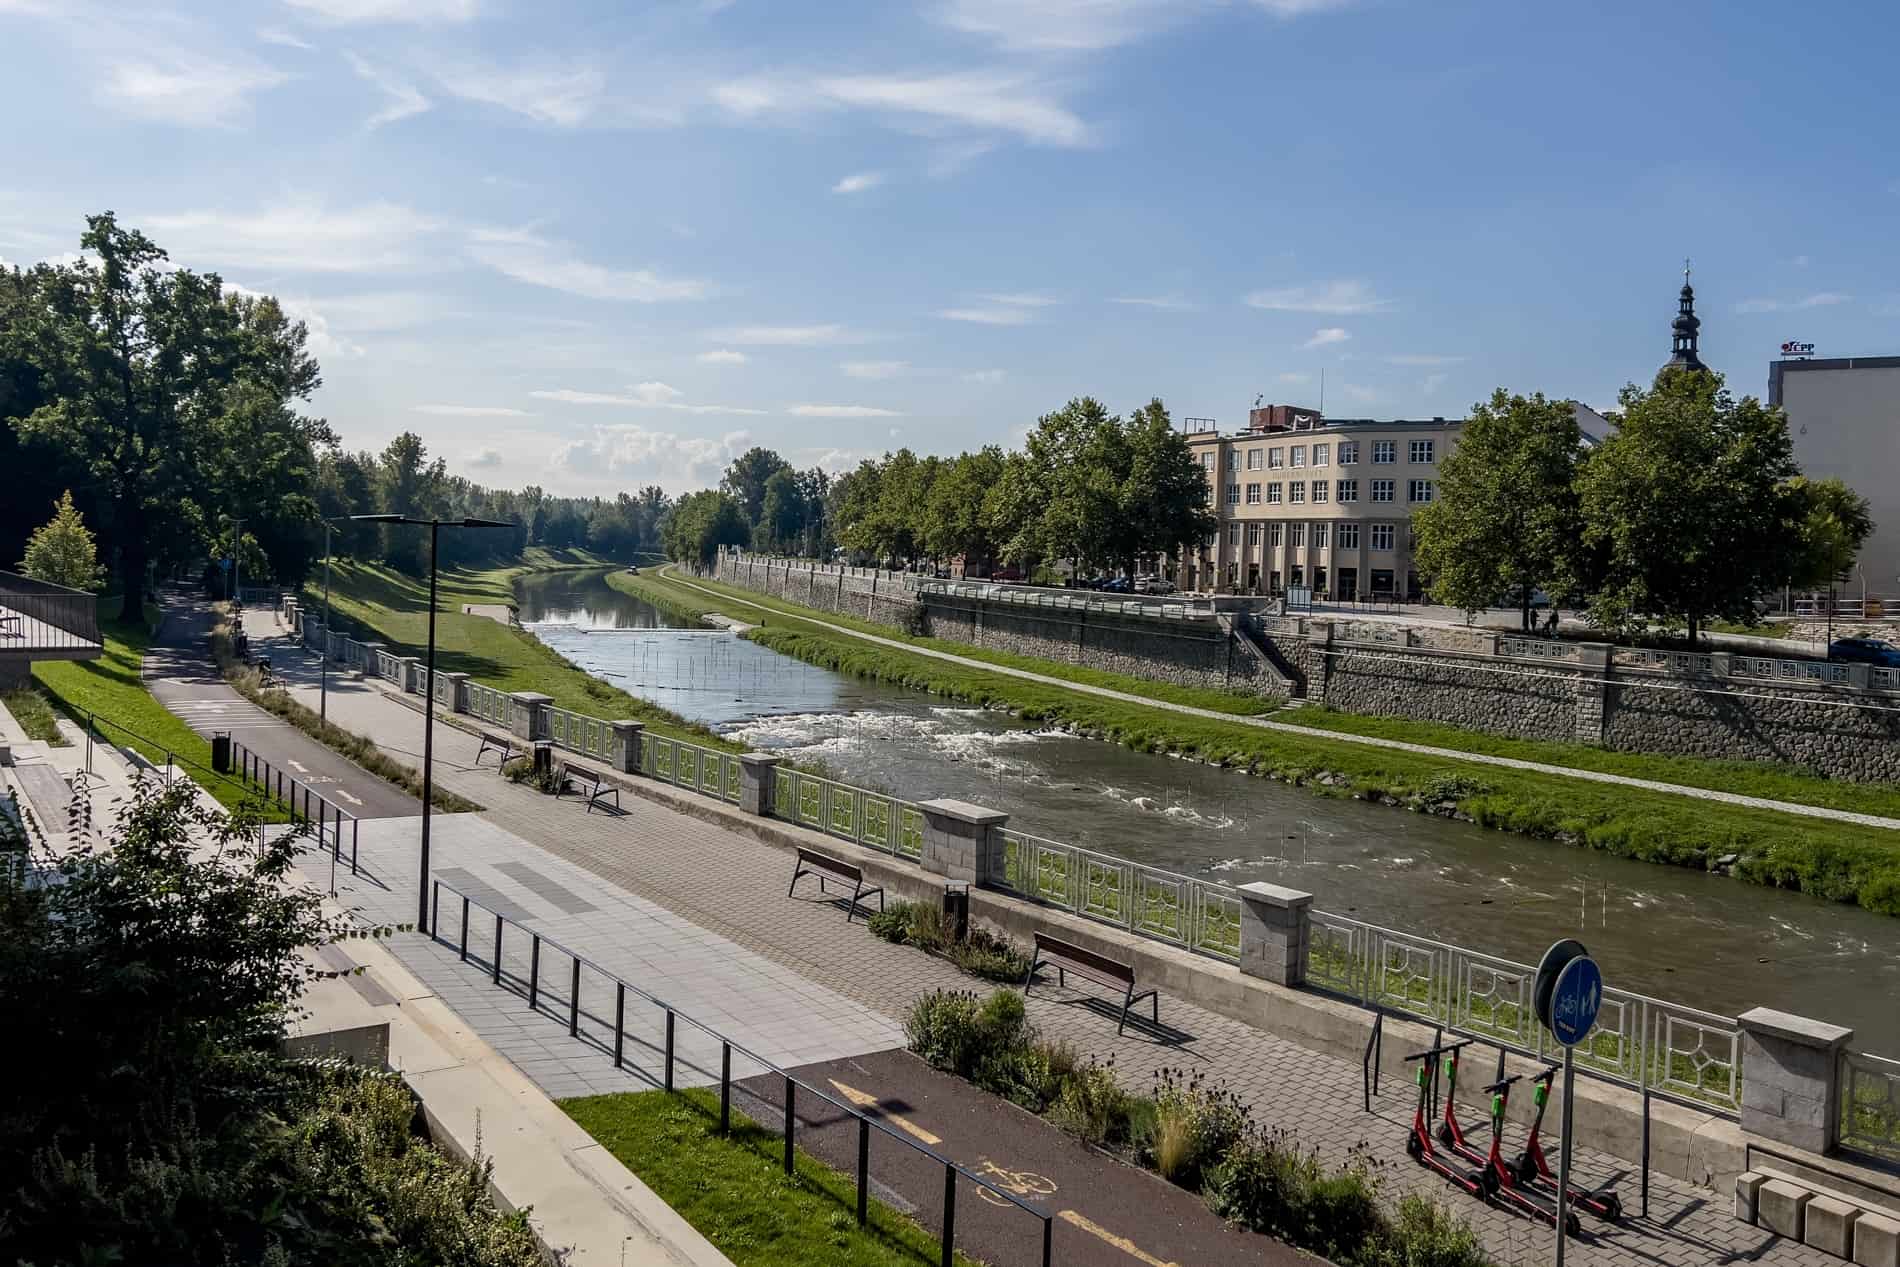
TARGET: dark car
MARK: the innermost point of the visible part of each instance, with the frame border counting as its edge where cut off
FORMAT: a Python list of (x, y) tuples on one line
[(1119, 585), (1864, 651)]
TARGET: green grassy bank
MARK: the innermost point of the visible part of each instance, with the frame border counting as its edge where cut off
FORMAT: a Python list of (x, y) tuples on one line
[(1838, 861)]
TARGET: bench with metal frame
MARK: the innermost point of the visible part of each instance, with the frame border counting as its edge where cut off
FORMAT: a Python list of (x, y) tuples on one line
[(811, 862), (495, 743), (588, 783), (1067, 957)]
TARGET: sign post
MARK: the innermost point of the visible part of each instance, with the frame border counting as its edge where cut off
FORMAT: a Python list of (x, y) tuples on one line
[(1569, 992)]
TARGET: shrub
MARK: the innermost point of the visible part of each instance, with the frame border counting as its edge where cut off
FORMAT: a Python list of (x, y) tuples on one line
[(981, 954), (1194, 1125), (991, 957), (1092, 1105), (522, 770), (893, 922), (1426, 1234), (1260, 1185), (986, 1040)]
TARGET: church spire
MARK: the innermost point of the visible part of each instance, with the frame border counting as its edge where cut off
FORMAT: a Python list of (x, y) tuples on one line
[(1682, 354)]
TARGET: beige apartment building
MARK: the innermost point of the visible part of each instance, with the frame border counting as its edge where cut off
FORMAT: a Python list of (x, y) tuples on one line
[(1844, 416), (1305, 500)]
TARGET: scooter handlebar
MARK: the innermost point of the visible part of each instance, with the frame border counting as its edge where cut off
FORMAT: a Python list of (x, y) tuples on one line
[(1441, 1049)]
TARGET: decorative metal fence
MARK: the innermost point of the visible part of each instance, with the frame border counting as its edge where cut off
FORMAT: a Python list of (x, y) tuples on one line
[(488, 704), (1787, 670), (690, 765), (1671, 1050), (1674, 661), (1870, 1103), (1197, 914), (1029, 596), (577, 732), (871, 819), (1883, 679), (1537, 649)]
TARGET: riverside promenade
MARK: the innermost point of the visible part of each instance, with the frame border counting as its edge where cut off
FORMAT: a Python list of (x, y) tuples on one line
[(670, 892)]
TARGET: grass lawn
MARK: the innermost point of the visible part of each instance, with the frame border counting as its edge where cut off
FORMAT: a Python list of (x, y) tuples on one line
[(30, 708), (1839, 861), (736, 1193), (381, 604)]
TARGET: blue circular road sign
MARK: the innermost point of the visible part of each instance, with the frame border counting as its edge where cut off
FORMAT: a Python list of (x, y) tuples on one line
[(1575, 1000)]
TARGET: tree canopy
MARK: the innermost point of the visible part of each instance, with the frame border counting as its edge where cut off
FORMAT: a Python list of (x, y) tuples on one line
[(62, 550)]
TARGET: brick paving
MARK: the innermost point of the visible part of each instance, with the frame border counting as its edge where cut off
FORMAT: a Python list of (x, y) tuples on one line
[(733, 885)]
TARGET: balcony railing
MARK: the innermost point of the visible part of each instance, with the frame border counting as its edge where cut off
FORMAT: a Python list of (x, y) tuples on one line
[(38, 616)]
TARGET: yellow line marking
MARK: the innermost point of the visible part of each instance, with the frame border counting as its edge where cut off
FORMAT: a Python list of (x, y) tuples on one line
[(865, 1100), (1122, 1243)]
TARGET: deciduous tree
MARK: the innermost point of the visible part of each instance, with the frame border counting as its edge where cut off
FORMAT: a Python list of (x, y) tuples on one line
[(62, 550)]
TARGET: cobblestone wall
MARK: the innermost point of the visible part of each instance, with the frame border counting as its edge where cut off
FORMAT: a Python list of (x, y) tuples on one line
[(869, 595), (1528, 703), (1820, 729), (1185, 653)]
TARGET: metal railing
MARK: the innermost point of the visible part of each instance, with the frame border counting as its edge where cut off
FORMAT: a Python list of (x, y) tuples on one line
[(1064, 600), (1537, 649), (1199, 915), (1665, 1048), (1674, 661), (40, 616), (577, 732), (794, 1088), (306, 804), (488, 703), (1787, 670), (872, 819), (1870, 1104), (690, 765)]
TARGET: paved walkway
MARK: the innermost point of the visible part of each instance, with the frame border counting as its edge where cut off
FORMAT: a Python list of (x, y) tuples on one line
[(654, 859), (1310, 732)]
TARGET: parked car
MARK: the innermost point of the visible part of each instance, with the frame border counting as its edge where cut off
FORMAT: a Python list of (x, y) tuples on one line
[(632, 570), (1007, 575), (1865, 651), (1153, 585), (1118, 585)]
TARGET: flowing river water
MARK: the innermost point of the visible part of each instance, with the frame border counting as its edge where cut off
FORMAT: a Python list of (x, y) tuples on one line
[(1703, 940)]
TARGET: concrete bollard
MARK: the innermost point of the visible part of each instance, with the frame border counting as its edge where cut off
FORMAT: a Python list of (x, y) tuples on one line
[(627, 745), (758, 783), (1792, 1093), (1781, 1206), (1275, 932), (1747, 1188), (1877, 1240), (528, 714), (962, 841), (1831, 1225)]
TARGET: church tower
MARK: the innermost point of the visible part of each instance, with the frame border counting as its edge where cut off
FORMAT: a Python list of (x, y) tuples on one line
[(1682, 353)]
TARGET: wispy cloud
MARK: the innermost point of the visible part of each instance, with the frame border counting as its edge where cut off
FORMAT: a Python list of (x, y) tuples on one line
[(1327, 337), (1085, 26), (858, 182), (642, 396), (473, 411), (185, 88), (1166, 303), (1339, 298), (1825, 299), (987, 316), (405, 99), (1432, 383), (526, 257), (564, 94), (979, 99), (483, 458), (874, 369), (1021, 299), (1292, 379), (842, 411), (1423, 358), (1359, 394), (984, 376), (787, 336), (948, 159), (630, 453), (413, 11), (301, 235), (722, 356), (278, 36)]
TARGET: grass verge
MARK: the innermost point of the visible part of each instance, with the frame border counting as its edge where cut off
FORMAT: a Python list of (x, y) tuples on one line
[(1837, 861), (36, 717), (735, 1191)]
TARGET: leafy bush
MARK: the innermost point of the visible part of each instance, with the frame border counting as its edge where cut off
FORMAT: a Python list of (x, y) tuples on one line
[(1426, 1234), (522, 770), (1092, 1105), (982, 954), (1260, 1185), (1194, 1125), (978, 1039)]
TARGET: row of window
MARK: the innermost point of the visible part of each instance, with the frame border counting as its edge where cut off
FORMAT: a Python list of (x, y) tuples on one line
[(1345, 536), (1295, 491), (1384, 453)]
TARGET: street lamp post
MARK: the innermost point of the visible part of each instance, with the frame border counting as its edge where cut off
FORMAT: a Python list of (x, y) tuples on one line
[(323, 652), (435, 527)]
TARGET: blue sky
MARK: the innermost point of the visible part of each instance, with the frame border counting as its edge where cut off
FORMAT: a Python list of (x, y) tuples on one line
[(596, 246)]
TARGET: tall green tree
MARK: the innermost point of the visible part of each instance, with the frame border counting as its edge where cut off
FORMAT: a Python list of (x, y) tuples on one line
[(1164, 497), (62, 550), (701, 523), (781, 523), (1507, 518), (956, 519), (746, 478), (1833, 522), (1691, 505)]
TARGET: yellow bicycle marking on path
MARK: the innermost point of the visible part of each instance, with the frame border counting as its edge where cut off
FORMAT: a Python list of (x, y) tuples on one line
[(865, 1100), (1122, 1243), (1024, 1183)]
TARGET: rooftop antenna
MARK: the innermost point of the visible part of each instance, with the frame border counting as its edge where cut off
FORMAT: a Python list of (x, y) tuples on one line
[(1257, 398)]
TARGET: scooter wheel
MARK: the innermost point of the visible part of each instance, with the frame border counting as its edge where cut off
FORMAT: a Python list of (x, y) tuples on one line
[(1487, 1182), (1573, 1225), (1412, 1147), (1444, 1134), (1612, 1207), (1525, 1168)]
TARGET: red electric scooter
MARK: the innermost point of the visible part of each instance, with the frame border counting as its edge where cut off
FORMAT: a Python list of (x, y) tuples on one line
[(1507, 1187), (1533, 1167), (1480, 1183)]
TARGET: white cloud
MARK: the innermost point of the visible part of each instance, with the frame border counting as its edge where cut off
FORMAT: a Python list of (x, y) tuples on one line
[(301, 236), (1021, 299), (985, 100), (420, 11), (987, 316), (1166, 303), (1423, 358), (1340, 298), (873, 369), (644, 396), (528, 258), (1294, 379), (1085, 26), (858, 182), (748, 97), (405, 99), (280, 37), (481, 458), (658, 393), (1298, 8), (473, 411), (184, 87), (1361, 395), (984, 376), (565, 95), (787, 336), (1432, 383), (948, 159), (1326, 337), (630, 453), (1823, 300), (842, 411), (722, 356)]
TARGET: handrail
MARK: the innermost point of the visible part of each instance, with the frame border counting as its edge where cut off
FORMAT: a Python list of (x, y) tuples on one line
[(728, 1045)]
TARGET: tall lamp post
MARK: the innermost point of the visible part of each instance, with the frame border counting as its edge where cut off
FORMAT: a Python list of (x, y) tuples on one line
[(323, 656), (435, 527)]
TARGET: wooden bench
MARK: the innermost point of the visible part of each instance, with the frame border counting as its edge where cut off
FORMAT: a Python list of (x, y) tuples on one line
[(1068, 957), (499, 744), (810, 862), (588, 783)]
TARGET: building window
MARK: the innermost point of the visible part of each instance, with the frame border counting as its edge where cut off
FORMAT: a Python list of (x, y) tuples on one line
[(1253, 494), (1253, 535), (1274, 534), (1349, 453), (1348, 490), (1418, 490), (1299, 455), (1421, 450), (1273, 493), (1276, 458), (1233, 534), (1319, 536), (1253, 459), (1381, 490), (1207, 461), (1296, 492), (1319, 490), (1321, 454), (1381, 536), (1346, 537), (1385, 452), (1298, 538), (1233, 495)]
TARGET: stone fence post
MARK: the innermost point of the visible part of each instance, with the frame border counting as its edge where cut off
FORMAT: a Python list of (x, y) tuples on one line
[(962, 841), (758, 783), (528, 714), (1275, 931), (451, 691), (1593, 690), (411, 674), (626, 748), (371, 657), (1792, 1091)]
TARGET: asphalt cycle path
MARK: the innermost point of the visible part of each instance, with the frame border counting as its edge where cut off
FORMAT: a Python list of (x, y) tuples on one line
[(671, 573), (1106, 1213), (181, 675)]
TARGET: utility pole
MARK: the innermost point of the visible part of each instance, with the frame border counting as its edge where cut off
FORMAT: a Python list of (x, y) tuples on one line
[(323, 652)]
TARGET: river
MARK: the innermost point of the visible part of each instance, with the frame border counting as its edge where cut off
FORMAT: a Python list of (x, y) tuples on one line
[(1704, 940)]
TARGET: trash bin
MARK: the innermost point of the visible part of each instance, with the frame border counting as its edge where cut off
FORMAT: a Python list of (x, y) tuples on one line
[(221, 753), (956, 910)]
